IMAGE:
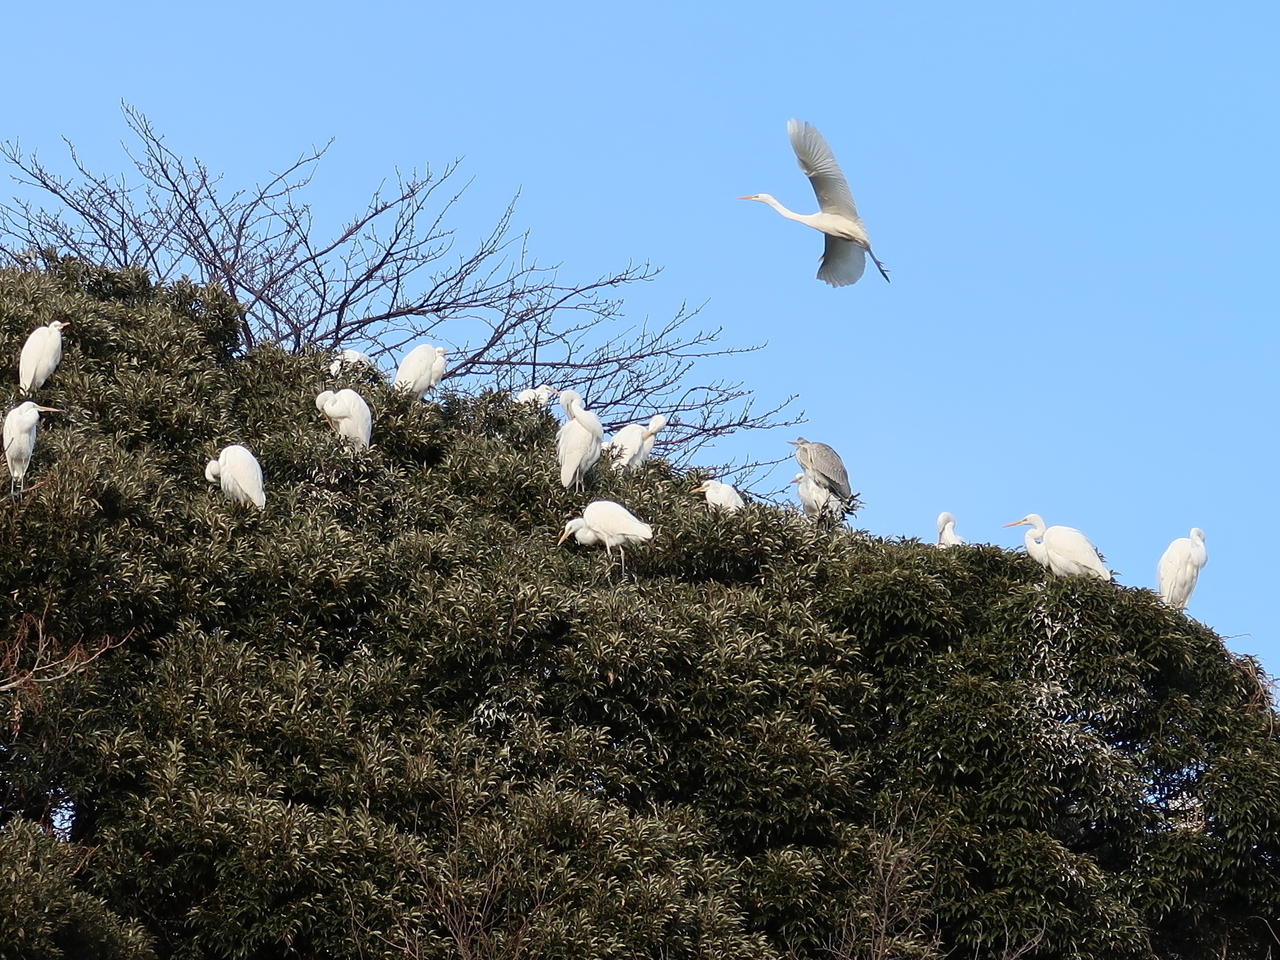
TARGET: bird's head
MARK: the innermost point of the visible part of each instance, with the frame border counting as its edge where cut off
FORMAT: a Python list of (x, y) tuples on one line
[(762, 197), (213, 472), (702, 487), (797, 478), (798, 442), (59, 324), (324, 399), (570, 528), (1030, 520)]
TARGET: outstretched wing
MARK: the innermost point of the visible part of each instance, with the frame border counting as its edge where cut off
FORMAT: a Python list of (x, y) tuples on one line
[(842, 262), (819, 165)]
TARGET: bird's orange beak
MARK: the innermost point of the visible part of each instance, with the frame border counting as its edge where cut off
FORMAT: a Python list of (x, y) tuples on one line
[(1016, 523), (699, 489), (563, 537), (743, 198), (48, 409)]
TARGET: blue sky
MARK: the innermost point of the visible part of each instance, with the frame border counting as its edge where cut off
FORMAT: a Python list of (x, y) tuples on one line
[(1077, 203)]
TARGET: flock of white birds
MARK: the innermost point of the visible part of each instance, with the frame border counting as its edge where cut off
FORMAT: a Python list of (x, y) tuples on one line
[(822, 484)]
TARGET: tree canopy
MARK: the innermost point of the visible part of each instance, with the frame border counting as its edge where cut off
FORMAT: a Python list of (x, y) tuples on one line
[(387, 716)]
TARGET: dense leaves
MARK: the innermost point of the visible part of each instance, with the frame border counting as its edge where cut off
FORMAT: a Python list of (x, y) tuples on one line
[(389, 716)]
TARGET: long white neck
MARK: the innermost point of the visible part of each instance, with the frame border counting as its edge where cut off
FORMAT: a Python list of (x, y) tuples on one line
[(789, 214)]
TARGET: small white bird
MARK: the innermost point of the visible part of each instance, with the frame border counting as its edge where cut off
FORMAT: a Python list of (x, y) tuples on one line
[(633, 444), (947, 536), (847, 244), (819, 503), (579, 442), (420, 370), (20, 441), (240, 475), (540, 396), (40, 355), (349, 358), (348, 414), (610, 523), (1179, 568), (721, 495), (1064, 550)]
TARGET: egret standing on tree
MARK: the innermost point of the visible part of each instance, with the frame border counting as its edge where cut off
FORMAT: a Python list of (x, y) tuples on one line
[(349, 358), (947, 536), (240, 475), (610, 523), (819, 503), (348, 414), (20, 441), (1179, 568), (420, 370), (579, 442), (847, 245), (540, 396), (40, 355), (1064, 550), (632, 444), (720, 495)]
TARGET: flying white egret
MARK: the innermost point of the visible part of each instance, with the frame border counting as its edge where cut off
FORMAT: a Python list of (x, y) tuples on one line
[(40, 355), (348, 414), (240, 475), (540, 396), (1064, 550), (823, 466), (1179, 568), (720, 495), (819, 503), (633, 444), (579, 442), (847, 246), (20, 441), (610, 523), (349, 358), (420, 370), (947, 536)]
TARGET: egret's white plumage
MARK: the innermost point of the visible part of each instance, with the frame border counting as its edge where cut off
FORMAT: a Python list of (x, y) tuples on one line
[(349, 358), (579, 442), (20, 441), (1064, 550), (847, 243), (819, 503), (632, 445), (1179, 568), (40, 355), (610, 523), (720, 495), (348, 414), (420, 370), (947, 536), (540, 395), (240, 475)]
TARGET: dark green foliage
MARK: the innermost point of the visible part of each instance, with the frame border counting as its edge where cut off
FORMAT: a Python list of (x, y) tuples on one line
[(389, 716)]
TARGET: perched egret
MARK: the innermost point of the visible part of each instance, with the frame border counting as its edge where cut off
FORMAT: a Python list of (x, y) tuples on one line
[(40, 355), (240, 475), (20, 440), (1064, 550), (539, 395), (579, 442), (823, 466), (610, 523), (947, 536), (847, 246), (720, 495), (819, 503), (349, 358), (420, 370), (1179, 568), (348, 414), (633, 443)]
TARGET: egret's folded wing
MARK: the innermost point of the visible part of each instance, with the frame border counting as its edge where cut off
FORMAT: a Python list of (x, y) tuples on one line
[(819, 165), (842, 262)]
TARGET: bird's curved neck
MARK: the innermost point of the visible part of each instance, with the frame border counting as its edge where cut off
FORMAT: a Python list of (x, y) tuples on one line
[(789, 214)]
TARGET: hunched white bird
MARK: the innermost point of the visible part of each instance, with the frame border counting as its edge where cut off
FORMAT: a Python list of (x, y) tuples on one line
[(420, 370), (240, 475), (40, 355), (633, 444), (947, 536), (721, 495), (610, 523), (20, 441), (579, 442), (1064, 550), (540, 395), (819, 503), (1179, 568), (847, 243), (349, 358), (348, 415)]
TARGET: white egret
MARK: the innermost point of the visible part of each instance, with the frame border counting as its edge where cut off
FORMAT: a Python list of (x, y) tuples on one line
[(947, 536), (1064, 550), (20, 441), (847, 246), (610, 523), (819, 503), (240, 475), (348, 414), (1179, 568), (720, 495), (540, 396), (633, 443), (40, 355), (579, 442), (823, 466), (349, 358), (420, 370)]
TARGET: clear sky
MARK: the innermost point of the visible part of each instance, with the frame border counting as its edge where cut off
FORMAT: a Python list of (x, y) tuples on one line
[(1077, 202)]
